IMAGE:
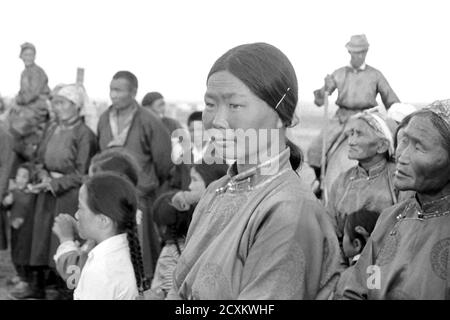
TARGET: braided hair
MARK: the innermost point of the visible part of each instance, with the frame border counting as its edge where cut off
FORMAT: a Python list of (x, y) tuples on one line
[(114, 196)]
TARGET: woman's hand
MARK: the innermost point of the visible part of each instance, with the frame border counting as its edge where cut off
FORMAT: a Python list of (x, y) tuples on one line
[(41, 187), (8, 200), (64, 227), (16, 223)]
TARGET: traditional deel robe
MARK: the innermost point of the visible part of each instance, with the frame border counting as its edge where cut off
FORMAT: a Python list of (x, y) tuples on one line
[(7, 159), (21, 238), (34, 90), (66, 153), (407, 255), (356, 189), (258, 236), (357, 90), (149, 141)]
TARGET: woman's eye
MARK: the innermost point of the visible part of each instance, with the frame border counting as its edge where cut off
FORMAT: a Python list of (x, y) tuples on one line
[(209, 105), (234, 106)]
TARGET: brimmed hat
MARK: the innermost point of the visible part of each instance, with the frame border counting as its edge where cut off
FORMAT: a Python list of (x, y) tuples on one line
[(27, 45), (357, 43)]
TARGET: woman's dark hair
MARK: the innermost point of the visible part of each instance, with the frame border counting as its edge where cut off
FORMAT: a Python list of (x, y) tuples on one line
[(364, 218), (116, 160), (210, 172), (30, 168), (115, 197), (177, 222), (151, 97), (440, 125), (194, 116), (269, 74)]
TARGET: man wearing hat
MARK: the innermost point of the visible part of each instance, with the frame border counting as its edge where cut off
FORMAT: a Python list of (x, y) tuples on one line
[(34, 90), (358, 85)]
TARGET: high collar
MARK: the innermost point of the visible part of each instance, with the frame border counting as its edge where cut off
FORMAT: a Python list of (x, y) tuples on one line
[(361, 67), (109, 245), (262, 172), (70, 124), (373, 171), (433, 207)]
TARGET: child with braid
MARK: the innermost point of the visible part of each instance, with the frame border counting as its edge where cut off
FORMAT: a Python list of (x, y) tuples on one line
[(107, 216), (69, 262)]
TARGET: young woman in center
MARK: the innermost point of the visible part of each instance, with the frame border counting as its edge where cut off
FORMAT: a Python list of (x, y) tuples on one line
[(258, 232)]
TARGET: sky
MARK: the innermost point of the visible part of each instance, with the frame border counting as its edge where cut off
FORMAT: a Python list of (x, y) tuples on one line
[(170, 45)]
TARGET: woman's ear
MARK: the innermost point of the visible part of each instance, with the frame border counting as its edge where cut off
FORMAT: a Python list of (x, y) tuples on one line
[(357, 245), (279, 123), (383, 146), (105, 221)]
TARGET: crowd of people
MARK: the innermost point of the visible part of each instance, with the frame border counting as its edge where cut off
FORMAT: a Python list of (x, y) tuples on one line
[(115, 214)]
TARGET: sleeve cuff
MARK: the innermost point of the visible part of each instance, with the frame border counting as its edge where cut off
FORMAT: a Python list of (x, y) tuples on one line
[(65, 247)]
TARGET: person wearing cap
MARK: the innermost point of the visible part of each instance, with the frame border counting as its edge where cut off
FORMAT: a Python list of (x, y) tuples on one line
[(64, 155), (358, 85), (407, 255), (34, 91), (369, 184)]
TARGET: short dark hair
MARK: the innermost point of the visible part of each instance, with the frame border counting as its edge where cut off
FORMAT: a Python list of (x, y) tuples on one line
[(117, 160), (151, 97), (194, 116), (364, 218), (130, 77)]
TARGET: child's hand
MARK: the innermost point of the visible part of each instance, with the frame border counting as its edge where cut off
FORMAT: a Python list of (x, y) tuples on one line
[(8, 200), (17, 222), (179, 202), (64, 227)]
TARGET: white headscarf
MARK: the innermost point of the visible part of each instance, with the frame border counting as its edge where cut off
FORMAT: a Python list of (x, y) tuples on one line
[(398, 111), (377, 121), (74, 93)]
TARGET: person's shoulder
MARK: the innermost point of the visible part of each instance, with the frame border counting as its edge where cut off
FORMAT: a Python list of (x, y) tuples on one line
[(38, 68), (84, 130), (391, 213), (105, 115), (345, 177), (371, 69)]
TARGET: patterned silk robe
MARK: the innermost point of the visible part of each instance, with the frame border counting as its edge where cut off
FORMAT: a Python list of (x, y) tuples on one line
[(258, 236)]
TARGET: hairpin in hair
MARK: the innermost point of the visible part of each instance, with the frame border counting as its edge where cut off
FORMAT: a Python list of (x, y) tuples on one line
[(282, 98)]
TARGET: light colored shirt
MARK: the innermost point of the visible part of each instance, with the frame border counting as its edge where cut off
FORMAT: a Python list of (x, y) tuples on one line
[(108, 273), (167, 261), (358, 88)]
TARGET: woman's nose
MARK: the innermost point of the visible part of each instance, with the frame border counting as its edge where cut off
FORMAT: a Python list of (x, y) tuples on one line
[(220, 119)]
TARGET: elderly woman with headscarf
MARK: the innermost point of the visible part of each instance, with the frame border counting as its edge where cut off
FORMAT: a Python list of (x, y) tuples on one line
[(370, 184), (407, 255), (64, 154)]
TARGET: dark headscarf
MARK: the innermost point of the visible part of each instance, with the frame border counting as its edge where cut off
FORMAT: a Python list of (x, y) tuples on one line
[(151, 97)]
